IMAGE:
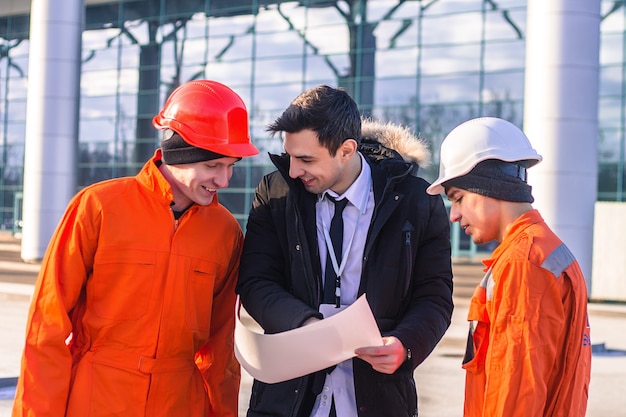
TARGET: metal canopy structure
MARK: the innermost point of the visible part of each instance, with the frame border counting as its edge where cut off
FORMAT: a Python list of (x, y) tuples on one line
[(358, 79), (428, 64)]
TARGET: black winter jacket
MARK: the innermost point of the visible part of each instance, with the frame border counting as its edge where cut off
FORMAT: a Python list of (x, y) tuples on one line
[(406, 274)]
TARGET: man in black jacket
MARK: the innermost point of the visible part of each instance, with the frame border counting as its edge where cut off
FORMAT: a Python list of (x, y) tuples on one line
[(395, 249)]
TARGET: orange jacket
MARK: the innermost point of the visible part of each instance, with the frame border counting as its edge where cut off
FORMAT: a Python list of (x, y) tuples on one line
[(148, 302), (530, 350)]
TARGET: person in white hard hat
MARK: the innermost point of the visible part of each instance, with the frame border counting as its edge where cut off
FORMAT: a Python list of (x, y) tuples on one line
[(529, 348)]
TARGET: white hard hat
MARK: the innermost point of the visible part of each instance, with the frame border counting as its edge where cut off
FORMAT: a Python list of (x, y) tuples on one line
[(478, 140)]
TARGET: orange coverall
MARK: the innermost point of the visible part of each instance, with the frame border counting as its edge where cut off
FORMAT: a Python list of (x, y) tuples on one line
[(148, 302), (529, 352)]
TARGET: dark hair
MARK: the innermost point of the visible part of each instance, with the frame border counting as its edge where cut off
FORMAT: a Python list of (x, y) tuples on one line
[(329, 112)]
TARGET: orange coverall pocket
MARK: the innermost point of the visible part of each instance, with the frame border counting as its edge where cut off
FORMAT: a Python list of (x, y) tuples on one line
[(121, 284), (477, 348), (505, 352), (200, 285), (100, 390)]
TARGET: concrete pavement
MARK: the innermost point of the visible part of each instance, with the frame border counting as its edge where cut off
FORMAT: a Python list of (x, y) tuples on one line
[(439, 379)]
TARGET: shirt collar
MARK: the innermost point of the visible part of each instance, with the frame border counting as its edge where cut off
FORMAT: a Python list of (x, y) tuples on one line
[(523, 222), (357, 189)]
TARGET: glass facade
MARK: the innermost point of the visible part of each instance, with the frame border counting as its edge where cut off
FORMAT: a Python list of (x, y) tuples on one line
[(427, 64)]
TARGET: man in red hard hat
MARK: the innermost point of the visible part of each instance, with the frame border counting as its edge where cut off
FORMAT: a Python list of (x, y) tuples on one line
[(529, 348), (132, 313)]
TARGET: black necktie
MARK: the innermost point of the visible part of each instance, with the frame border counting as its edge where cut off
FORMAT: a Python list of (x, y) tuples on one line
[(336, 237)]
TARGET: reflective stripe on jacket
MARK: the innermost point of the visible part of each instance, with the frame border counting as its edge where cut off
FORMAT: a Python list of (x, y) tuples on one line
[(529, 353), (149, 306)]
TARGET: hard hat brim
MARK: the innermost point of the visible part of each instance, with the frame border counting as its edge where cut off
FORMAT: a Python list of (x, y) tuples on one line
[(478, 140), (438, 188)]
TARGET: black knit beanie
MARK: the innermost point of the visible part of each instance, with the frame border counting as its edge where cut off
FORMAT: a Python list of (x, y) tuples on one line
[(176, 151), (496, 179)]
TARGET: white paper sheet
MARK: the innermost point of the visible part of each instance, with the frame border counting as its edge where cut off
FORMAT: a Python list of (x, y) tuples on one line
[(273, 358)]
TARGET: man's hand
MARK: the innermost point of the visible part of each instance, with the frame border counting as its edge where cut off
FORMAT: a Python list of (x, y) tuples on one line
[(386, 358), (310, 320)]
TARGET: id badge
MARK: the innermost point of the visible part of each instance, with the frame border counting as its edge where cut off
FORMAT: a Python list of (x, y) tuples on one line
[(329, 310)]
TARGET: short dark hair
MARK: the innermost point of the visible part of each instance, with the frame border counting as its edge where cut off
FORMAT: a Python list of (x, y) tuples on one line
[(330, 112)]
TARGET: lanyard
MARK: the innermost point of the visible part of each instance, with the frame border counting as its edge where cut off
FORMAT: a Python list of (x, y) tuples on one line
[(344, 258)]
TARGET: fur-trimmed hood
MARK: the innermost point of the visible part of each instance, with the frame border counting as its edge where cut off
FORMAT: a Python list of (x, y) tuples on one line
[(413, 149)]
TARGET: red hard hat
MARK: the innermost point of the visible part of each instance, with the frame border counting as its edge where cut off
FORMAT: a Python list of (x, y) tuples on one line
[(208, 115)]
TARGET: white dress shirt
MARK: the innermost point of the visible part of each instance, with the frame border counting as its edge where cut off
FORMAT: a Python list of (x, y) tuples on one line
[(356, 219)]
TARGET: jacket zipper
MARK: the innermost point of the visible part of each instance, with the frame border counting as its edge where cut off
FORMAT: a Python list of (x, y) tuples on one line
[(318, 285), (407, 245)]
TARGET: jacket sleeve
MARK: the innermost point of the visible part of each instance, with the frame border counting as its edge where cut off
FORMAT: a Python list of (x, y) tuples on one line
[(216, 359), (429, 312), (527, 320), (265, 276), (43, 385)]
